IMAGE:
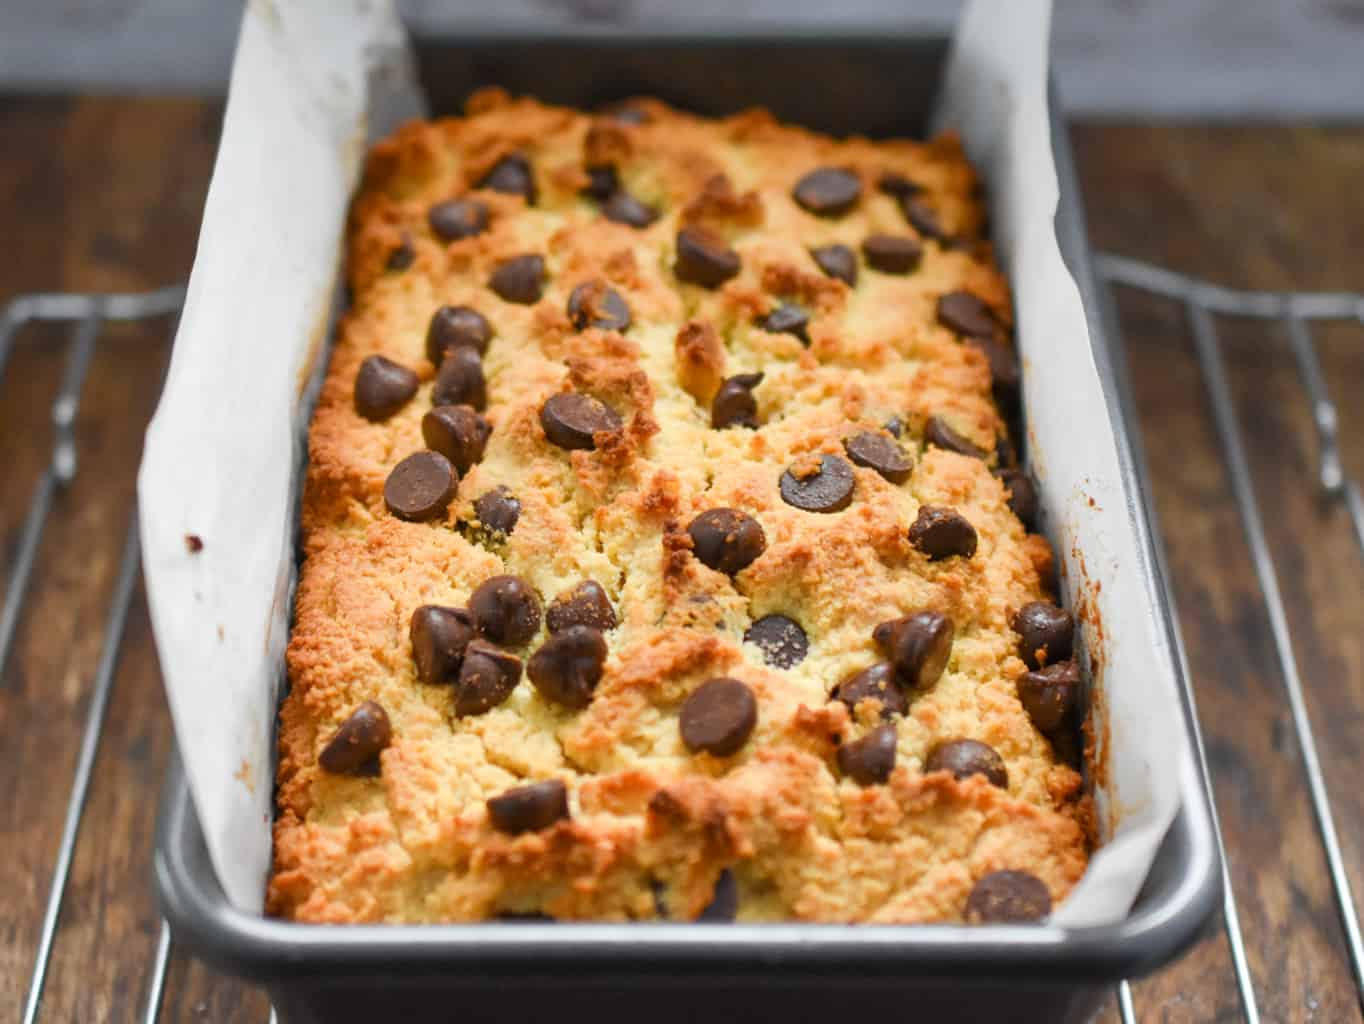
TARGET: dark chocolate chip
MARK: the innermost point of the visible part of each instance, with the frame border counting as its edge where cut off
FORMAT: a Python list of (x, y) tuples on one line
[(401, 257), (571, 420), (420, 487), (439, 638), (1006, 455), (1008, 897), (718, 717), (967, 315), (892, 254), (382, 387), (460, 380), (1022, 495), (1051, 696), (964, 758), (506, 610), (825, 486), (938, 433), (1005, 373), (512, 175), (895, 426), (726, 540), (878, 452), (498, 510), (358, 741), (1045, 633), (782, 641), (458, 218), (734, 404), (942, 532), (529, 808), (623, 208), (875, 682), (458, 433), (602, 182), (918, 645), (724, 903), (871, 759), (837, 261), (892, 183), (704, 258), (788, 318), (520, 279), (586, 604), (593, 304), (828, 192), (922, 217), (456, 327), (487, 677), (568, 666)]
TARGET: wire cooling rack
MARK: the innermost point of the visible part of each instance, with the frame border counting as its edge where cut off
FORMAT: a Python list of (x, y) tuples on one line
[(1204, 304)]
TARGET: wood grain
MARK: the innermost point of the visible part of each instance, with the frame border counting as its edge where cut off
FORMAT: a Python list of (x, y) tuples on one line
[(106, 194)]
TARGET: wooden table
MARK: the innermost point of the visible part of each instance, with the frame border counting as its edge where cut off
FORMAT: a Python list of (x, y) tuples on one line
[(103, 194)]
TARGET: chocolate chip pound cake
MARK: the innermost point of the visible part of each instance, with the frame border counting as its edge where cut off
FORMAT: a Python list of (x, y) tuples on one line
[(665, 552)]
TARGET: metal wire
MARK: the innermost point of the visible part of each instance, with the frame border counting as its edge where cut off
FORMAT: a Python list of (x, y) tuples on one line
[(157, 985)]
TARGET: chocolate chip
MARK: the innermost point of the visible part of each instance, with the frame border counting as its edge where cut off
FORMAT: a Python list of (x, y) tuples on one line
[(568, 666), (966, 314), (586, 604), (1005, 373), (487, 677), (1008, 897), (1051, 696), (420, 487), (726, 540), (458, 218), (871, 759), (456, 327), (593, 304), (788, 318), (892, 254), (942, 532), (602, 182), (837, 261), (724, 902), (497, 510), (878, 452), (964, 758), (781, 640), (918, 645), (938, 433), (1006, 457), (734, 404), (823, 487), (718, 717), (572, 421), (439, 638), (529, 808), (704, 258), (401, 257), (1045, 633), (875, 682), (458, 433), (506, 610), (358, 741), (892, 183), (382, 387), (623, 208), (828, 192), (922, 217), (520, 279), (1022, 495), (460, 380), (895, 426), (512, 175)]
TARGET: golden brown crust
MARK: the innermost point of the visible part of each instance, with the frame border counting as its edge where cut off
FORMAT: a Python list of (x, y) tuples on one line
[(653, 825)]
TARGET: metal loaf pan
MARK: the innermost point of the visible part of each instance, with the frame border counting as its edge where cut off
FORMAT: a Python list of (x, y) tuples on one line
[(879, 84)]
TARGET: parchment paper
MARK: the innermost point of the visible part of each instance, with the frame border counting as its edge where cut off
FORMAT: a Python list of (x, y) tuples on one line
[(312, 80)]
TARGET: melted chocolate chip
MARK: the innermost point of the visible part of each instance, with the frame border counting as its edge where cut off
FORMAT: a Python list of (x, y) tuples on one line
[(871, 759), (724, 903), (511, 175), (584, 605), (572, 421), (401, 257), (506, 610), (825, 487), (602, 182), (1045, 633), (828, 192), (498, 510), (892, 254), (837, 261), (966, 314), (892, 183), (354, 746), (726, 540), (922, 217), (1008, 897), (1052, 696), (938, 433), (1022, 495), (460, 380), (456, 327), (878, 452), (593, 304), (420, 487), (487, 677), (458, 433), (382, 387), (529, 808), (520, 279), (875, 682), (788, 318), (734, 404), (439, 638), (718, 717), (568, 666), (1005, 373), (458, 218), (942, 533), (782, 641), (704, 258), (964, 758), (623, 208), (918, 645)]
